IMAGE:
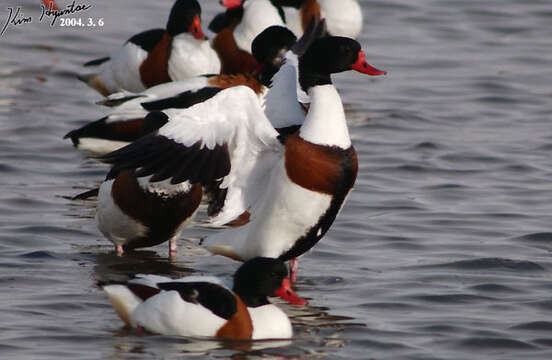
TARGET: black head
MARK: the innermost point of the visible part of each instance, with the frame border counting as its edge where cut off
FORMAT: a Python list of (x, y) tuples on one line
[(185, 17), (226, 19), (330, 55), (269, 49), (260, 278)]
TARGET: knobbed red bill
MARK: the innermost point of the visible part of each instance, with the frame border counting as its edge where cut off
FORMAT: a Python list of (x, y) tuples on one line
[(363, 67), (195, 29)]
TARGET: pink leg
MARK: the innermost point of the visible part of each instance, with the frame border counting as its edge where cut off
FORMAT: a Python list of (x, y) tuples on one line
[(119, 250), (293, 267), (172, 246), (140, 331)]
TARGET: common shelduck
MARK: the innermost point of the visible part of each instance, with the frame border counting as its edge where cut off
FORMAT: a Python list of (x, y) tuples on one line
[(233, 43), (202, 307), (288, 189), (133, 212), (343, 17), (158, 56), (126, 121)]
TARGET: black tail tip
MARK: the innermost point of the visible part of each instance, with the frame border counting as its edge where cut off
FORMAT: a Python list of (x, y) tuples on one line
[(73, 136), (87, 194)]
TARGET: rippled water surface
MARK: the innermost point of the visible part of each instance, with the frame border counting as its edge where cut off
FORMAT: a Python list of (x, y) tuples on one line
[(443, 250)]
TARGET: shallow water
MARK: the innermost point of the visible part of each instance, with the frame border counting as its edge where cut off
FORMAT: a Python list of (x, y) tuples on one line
[(443, 250)]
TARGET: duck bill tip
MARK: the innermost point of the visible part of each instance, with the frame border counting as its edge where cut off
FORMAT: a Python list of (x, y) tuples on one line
[(195, 29), (362, 66), (286, 293)]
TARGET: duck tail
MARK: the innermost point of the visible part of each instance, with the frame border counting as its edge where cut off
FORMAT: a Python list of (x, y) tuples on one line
[(95, 82), (123, 301)]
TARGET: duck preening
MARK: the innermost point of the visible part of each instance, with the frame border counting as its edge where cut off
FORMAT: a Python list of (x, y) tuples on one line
[(238, 27)]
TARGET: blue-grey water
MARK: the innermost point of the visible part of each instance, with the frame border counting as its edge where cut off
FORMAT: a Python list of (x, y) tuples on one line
[(443, 250)]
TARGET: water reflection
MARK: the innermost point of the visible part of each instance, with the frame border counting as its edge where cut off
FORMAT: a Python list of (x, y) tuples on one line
[(197, 347), (110, 267)]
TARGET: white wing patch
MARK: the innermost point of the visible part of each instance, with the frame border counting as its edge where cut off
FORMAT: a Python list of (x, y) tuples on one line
[(133, 109), (233, 117), (166, 313)]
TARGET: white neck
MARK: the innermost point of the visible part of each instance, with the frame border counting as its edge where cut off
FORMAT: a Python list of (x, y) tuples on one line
[(280, 102), (325, 123)]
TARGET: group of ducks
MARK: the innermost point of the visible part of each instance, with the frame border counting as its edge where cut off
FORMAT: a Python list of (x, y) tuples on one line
[(249, 123)]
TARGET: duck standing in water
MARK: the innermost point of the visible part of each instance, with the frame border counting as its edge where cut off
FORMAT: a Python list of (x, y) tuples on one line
[(136, 210), (287, 190)]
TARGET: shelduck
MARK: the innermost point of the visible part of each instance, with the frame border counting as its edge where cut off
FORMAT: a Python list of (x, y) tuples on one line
[(287, 190), (243, 22), (135, 212), (203, 307), (158, 56), (126, 121)]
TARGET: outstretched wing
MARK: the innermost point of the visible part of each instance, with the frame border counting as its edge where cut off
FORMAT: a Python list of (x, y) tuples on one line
[(226, 139)]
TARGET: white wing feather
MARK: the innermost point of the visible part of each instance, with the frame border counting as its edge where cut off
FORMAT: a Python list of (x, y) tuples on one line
[(133, 109), (234, 117)]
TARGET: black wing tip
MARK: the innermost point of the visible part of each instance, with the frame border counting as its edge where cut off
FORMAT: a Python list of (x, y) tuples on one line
[(224, 19), (97, 62), (118, 101), (87, 194), (182, 100), (73, 135)]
